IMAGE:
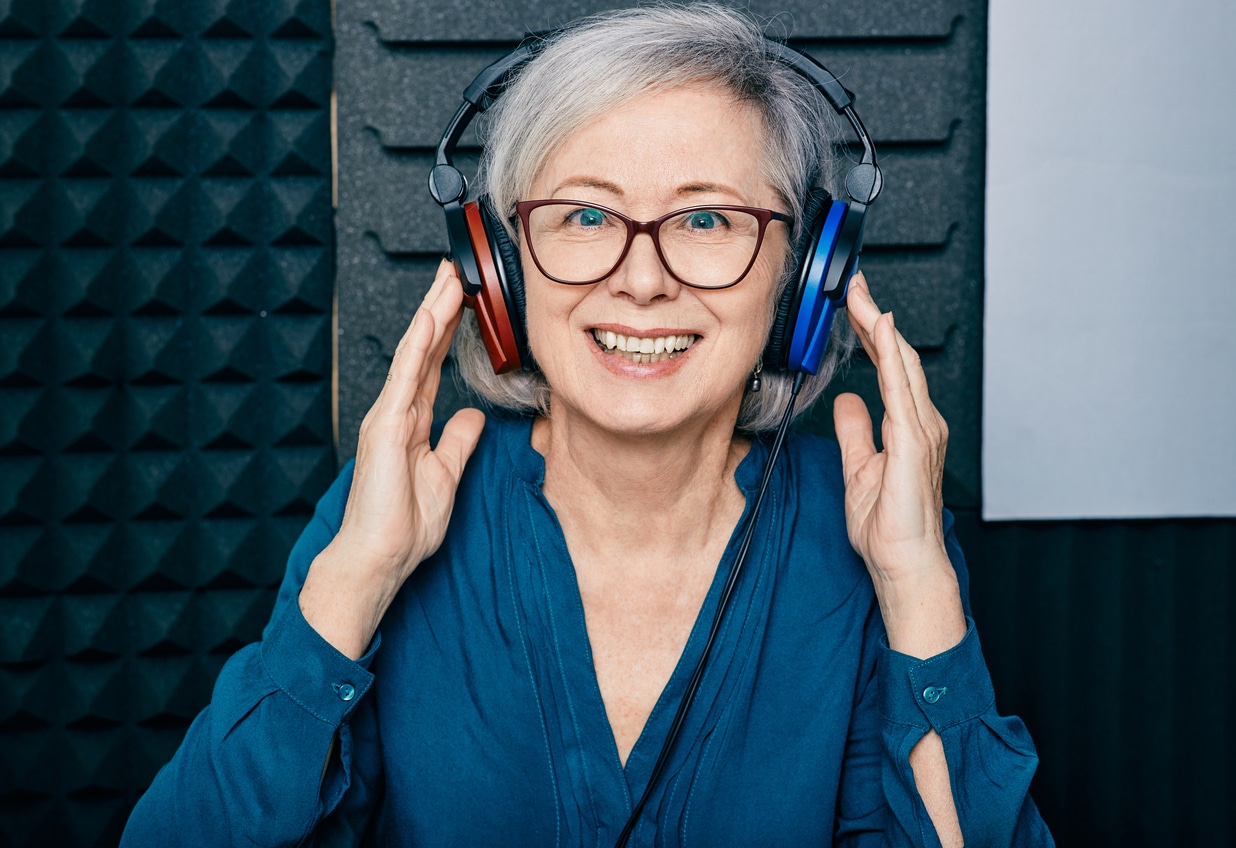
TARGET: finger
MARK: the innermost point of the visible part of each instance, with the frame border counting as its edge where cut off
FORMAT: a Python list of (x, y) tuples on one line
[(931, 422), (459, 437), (899, 407), (862, 313), (441, 279), (419, 355), (447, 310), (402, 371), (852, 423), (929, 417), (403, 378)]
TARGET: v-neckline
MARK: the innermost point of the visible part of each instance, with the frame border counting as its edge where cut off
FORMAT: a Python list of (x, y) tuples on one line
[(574, 648)]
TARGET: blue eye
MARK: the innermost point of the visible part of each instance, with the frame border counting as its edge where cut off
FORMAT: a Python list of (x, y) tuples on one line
[(705, 220), (586, 217)]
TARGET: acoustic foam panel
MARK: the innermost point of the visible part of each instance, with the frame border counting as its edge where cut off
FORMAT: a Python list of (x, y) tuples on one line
[(166, 275)]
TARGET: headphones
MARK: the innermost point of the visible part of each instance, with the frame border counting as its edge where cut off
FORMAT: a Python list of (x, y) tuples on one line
[(824, 257)]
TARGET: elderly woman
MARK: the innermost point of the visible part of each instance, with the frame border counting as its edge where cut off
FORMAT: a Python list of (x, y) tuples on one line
[(543, 578)]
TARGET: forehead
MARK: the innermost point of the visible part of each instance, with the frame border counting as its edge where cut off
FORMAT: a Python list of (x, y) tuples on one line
[(662, 143)]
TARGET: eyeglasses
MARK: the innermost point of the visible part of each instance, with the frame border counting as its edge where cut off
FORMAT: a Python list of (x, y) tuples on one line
[(705, 247)]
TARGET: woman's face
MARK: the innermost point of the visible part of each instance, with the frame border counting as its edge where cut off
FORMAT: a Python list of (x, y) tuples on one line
[(684, 147)]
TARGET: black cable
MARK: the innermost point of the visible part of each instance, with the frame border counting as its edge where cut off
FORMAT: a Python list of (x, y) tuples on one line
[(727, 591)]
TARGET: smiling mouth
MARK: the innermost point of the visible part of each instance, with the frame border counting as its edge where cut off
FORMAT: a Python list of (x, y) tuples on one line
[(643, 350)]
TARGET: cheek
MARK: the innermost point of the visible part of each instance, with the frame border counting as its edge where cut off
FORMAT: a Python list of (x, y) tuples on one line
[(547, 309), (535, 320), (769, 272), (534, 296)]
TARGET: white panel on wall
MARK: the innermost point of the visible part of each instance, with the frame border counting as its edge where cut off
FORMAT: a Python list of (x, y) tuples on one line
[(1110, 309)]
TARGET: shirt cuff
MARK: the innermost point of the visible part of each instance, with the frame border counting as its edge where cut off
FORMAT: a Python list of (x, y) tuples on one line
[(310, 671), (938, 692)]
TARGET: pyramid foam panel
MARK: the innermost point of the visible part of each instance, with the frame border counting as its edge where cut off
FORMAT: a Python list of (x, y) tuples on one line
[(166, 275)]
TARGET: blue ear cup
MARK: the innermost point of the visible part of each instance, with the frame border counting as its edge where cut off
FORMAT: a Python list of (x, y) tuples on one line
[(813, 319), (825, 280), (825, 258)]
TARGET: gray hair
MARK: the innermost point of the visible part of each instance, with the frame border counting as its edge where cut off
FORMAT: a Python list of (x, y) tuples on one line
[(640, 51)]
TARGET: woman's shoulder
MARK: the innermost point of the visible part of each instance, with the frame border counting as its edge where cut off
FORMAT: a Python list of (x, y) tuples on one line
[(817, 447), (817, 483), (814, 465), (503, 450), (807, 478), (818, 568)]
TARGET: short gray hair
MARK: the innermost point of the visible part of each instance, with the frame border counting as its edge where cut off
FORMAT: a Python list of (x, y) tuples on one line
[(640, 51)]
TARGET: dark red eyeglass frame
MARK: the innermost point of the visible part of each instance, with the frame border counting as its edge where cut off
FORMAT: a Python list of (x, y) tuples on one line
[(653, 227)]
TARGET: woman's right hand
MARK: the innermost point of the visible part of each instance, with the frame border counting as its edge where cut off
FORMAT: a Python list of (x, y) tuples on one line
[(402, 491)]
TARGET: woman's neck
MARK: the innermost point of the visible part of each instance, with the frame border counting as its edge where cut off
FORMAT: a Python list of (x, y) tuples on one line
[(639, 502)]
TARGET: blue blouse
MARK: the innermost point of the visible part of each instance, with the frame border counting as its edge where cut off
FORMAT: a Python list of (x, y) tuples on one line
[(479, 721)]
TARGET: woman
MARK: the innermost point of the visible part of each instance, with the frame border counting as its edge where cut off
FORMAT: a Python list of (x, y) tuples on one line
[(543, 579)]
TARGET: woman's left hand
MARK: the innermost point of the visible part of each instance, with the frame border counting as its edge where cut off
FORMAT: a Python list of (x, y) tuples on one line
[(893, 498)]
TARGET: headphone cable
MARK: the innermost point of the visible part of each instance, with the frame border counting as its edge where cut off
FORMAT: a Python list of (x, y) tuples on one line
[(723, 603)]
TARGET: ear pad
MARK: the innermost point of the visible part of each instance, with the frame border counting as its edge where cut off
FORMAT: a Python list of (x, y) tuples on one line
[(775, 352), (491, 302), (511, 270)]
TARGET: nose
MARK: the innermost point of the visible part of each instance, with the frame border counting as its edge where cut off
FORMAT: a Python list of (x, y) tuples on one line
[(641, 275)]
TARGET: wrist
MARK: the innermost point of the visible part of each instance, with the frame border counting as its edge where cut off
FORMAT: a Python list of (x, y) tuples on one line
[(922, 613), (343, 604)]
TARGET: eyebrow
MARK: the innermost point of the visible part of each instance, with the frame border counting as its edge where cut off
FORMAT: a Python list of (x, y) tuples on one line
[(590, 182), (686, 190), (705, 188)]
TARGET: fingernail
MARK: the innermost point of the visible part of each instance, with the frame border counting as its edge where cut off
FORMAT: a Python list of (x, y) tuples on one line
[(891, 321)]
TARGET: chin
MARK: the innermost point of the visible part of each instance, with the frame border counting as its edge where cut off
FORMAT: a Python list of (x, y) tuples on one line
[(643, 410)]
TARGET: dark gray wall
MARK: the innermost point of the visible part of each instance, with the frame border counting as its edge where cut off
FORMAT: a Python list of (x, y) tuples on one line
[(917, 69)]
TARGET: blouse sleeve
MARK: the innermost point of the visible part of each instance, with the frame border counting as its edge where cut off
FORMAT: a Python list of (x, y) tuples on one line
[(253, 767), (991, 758)]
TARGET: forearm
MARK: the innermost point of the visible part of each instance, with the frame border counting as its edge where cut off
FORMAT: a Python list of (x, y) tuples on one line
[(922, 621), (343, 601), (931, 777), (251, 767), (950, 757), (923, 615)]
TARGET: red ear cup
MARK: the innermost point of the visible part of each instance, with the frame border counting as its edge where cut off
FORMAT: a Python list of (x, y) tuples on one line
[(490, 303), (510, 267)]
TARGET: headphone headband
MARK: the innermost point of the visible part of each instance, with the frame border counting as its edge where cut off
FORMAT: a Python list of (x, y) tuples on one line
[(863, 183)]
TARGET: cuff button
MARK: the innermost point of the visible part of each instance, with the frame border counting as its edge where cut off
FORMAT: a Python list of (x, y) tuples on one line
[(345, 691), (932, 693)]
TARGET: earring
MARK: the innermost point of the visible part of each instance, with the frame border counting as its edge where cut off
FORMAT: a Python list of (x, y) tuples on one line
[(753, 385)]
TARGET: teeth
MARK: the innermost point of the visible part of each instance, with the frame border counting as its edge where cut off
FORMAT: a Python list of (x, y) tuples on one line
[(643, 350)]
